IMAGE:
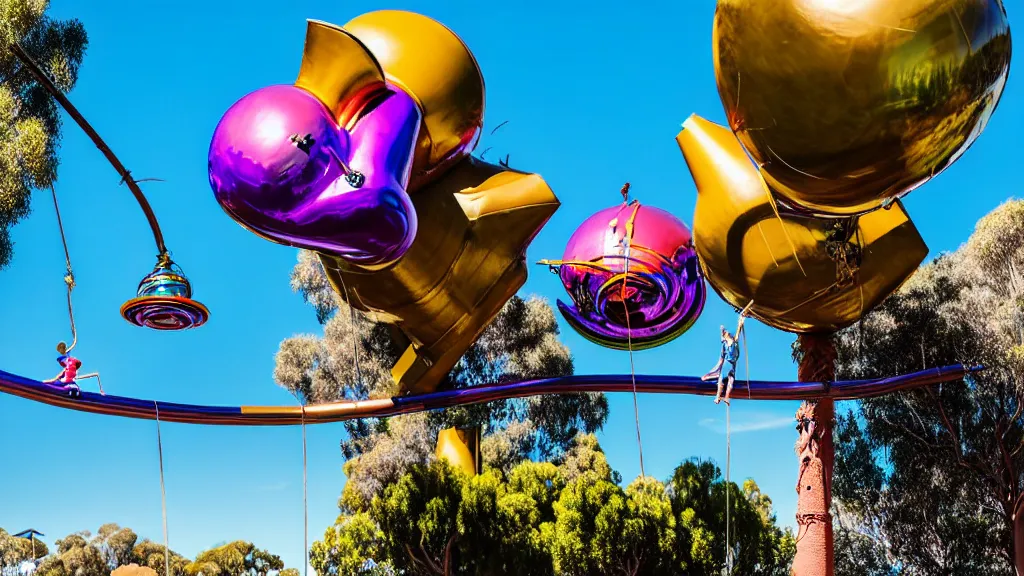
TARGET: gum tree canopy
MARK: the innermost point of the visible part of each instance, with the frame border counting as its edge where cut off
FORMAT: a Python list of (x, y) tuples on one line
[(931, 482), (29, 119)]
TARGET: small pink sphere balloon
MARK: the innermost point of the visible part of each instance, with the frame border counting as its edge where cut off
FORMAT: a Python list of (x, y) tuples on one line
[(632, 273)]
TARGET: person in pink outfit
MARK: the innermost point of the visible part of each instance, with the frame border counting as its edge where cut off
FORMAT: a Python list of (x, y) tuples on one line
[(69, 375)]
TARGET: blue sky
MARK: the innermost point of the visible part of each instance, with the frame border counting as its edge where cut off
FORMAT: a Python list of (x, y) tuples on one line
[(593, 95)]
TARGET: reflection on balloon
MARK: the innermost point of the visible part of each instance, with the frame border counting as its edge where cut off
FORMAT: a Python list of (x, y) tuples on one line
[(804, 274), (846, 105), (633, 277)]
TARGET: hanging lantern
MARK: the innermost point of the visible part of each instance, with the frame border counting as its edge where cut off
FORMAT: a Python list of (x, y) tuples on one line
[(164, 301), (633, 277)]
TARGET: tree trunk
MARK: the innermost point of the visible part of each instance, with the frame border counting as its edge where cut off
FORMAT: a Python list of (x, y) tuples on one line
[(814, 548), (1018, 537)]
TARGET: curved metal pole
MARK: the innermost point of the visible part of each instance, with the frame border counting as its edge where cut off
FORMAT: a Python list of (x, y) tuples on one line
[(126, 176), (378, 408)]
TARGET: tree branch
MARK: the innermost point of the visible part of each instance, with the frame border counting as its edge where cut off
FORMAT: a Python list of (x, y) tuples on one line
[(958, 447)]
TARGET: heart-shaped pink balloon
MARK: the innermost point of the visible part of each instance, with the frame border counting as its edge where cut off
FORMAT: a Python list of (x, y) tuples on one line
[(282, 167)]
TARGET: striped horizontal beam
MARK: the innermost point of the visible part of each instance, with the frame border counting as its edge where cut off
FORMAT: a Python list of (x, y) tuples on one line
[(339, 411)]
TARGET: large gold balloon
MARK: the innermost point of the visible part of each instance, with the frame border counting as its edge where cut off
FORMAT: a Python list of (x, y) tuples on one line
[(847, 103), (803, 274), (461, 448), (475, 219), (468, 259), (433, 65)]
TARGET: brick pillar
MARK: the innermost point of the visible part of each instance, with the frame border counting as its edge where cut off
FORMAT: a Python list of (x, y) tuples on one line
[(814, 549)]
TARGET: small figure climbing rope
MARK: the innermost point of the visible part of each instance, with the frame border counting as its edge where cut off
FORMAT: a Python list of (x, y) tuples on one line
[(69, 375), (731, 355)]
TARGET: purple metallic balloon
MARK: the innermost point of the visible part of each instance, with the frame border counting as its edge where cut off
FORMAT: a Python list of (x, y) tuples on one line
[(282, 167), (636, 260)]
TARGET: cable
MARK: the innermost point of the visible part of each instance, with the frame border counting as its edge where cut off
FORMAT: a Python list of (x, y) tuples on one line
[(163, 492)]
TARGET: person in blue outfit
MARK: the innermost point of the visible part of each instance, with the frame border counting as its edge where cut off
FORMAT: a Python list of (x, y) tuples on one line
[(725, 369)]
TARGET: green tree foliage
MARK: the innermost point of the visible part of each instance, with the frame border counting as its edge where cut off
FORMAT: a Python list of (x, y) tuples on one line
[(152, 555), (931, 481), (235, 559), (29, 120), (15, 551), (116, 551), (758, 545), (521, 343), (540, 518), (116, 544)]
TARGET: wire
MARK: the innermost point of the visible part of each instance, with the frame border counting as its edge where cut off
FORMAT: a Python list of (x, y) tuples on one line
[(163, 492)]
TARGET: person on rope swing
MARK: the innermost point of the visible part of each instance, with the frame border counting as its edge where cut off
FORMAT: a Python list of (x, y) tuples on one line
[(69, 374), (731, 355)]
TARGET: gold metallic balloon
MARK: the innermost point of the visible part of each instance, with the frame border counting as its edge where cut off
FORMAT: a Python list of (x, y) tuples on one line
[(804, 274), (461, 448), (433, 65), (467, 260), (340, 87), (847, 103)]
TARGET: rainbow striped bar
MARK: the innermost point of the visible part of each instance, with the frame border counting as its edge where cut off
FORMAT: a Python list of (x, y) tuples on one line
[(339, 411)]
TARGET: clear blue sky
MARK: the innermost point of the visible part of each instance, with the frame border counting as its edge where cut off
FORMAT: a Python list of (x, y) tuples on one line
[(593, 94)]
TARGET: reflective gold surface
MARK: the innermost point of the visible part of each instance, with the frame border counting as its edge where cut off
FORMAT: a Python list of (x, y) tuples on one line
[(783, 263), (337, 86), (461, 448), (435, 67), (845, 103), (467, 260)]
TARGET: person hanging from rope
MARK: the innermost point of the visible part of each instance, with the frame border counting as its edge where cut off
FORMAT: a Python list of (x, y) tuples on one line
[(730, 355), (69, 375)]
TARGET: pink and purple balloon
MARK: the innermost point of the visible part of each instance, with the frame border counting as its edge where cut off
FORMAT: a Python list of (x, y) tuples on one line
[(633, 276), (282, 167)]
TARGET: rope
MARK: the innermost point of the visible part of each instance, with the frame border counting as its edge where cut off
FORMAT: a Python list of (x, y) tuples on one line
[(728, 448), (69, 278), (305, 499), (728, 487), (355, 330), (163, 492), (627, 238)]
